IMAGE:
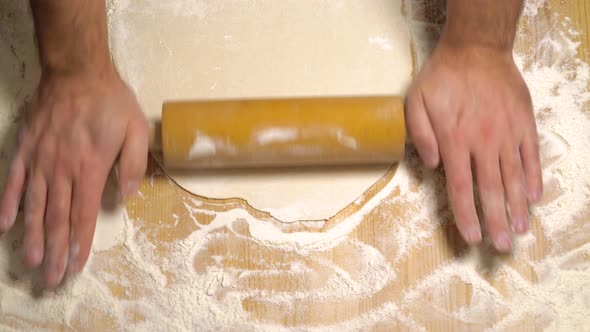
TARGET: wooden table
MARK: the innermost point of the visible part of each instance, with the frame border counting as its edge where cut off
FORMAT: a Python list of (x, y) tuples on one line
[(161, 199)]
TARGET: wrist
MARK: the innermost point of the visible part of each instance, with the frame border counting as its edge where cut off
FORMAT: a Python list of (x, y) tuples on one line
[(486, 24), (474, 52), (70, 63), (72, 36), (95, 79), (455, 40)]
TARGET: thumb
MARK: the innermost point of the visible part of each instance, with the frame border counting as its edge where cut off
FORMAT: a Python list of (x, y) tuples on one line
[(420, 128), (134, 154)]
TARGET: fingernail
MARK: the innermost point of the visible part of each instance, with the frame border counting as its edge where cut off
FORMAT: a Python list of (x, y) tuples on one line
[(31, 256), (473, 235), (503, 242), (7, 220), (35, 256), (431, 159), (535, 196), (520, 225), (131, 188)]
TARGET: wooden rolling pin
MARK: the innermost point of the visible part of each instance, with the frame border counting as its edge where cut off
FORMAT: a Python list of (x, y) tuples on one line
[(280, 132)]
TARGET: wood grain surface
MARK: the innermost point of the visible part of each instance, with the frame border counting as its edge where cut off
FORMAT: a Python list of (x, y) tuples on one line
[(161, 198), (445, 244)]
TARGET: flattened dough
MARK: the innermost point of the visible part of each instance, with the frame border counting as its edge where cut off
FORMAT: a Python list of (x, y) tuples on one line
[(179, 49)]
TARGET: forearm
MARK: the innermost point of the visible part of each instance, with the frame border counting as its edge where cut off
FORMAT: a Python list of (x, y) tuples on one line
[(483, 23), (72, 35)]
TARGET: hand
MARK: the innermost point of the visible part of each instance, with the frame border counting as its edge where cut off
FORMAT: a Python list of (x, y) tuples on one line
[(471, 108), (74, 130)]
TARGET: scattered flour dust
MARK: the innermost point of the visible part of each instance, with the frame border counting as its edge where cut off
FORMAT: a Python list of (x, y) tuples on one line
[(275, 135), (191, 284), (381, 42), (203, 146)]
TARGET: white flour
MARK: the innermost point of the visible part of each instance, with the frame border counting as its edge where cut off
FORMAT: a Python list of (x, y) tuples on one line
[(195, 282), (275, 135), (381, 42), (203, 146)]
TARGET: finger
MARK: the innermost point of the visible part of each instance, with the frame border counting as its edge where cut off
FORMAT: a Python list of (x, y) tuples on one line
[(35, 200), (87, 191), (12, 194), (529, 152), (460, 187), (514, 188), (133, 162), (491, 194), (57, 227), (421, 130)]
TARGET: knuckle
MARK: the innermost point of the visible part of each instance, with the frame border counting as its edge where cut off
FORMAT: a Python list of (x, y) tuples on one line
[(516, 177), (493, 205), (518, 206), (83, 143), (460, 185), (487, 132), (140, 137), (32, 220), (517, 202), (493, 221), (413, 98), (143, 123), (90, 164), (516, 187), (64, 163), (31, 198), (75, 217), (14, 170), (512, 171), (420, 135), (57, 213), (26, 144), (46, 148), (453, 135), (447, 130), (54, 219)]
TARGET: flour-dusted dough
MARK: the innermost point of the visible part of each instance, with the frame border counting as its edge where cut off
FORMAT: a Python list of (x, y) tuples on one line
[(197, 49)]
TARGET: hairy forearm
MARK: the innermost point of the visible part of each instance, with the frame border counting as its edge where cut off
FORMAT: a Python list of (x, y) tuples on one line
[(72, 35), (484, 23)]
